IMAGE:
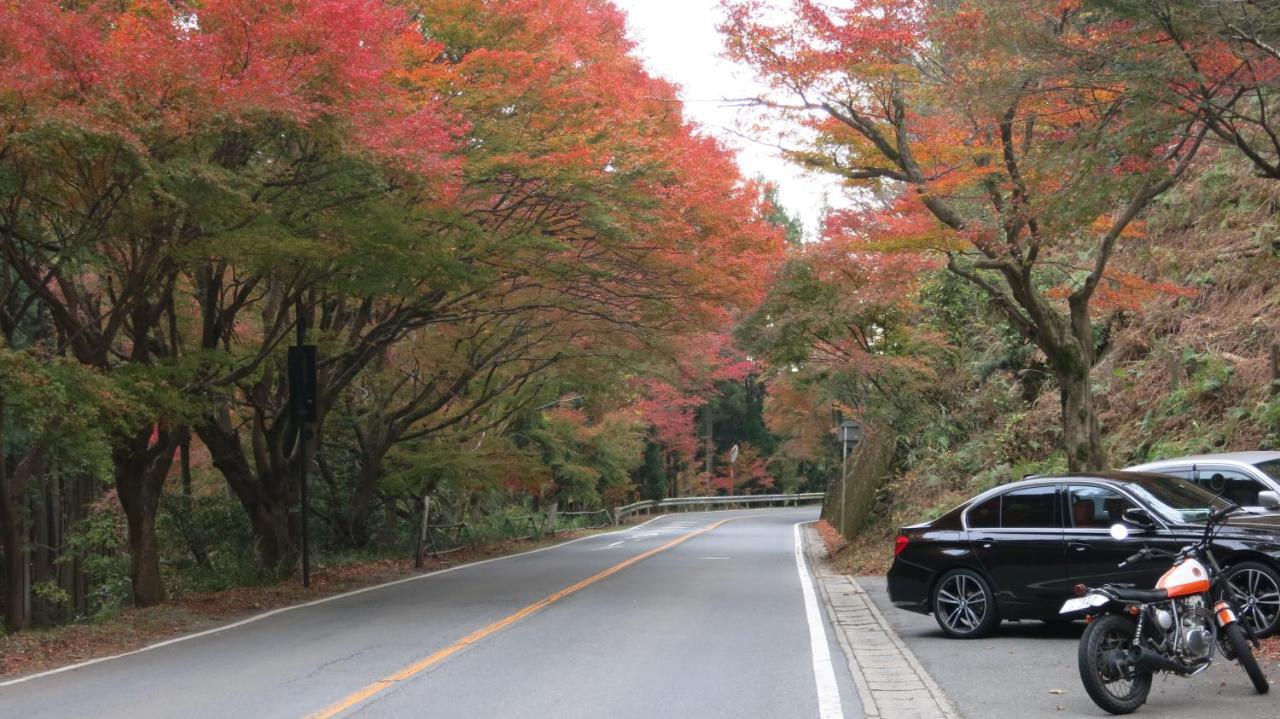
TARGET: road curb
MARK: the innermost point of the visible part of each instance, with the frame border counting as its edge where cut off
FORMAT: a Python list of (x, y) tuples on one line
[(891, 682)]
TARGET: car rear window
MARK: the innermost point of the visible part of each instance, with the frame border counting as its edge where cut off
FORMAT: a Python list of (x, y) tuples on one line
[(1031, 508), (985, 515)]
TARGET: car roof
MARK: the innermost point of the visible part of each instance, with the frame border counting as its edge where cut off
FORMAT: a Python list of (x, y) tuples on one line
[(1034, 480), (1110, 477), (1233, 457)]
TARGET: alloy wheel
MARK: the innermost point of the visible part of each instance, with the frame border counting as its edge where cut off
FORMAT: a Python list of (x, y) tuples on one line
[(962, 603), (1257, 597)]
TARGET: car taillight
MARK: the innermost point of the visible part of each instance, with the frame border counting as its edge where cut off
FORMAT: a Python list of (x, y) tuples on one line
[(900, 544)]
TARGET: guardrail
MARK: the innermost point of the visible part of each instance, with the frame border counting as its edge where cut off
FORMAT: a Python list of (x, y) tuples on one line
[(651, 504), (589, 519)]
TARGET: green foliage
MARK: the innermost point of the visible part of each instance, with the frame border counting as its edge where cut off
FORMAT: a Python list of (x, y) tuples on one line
[(651, 476), (737, 414), (451, 472), (1208, 376), (61, 409), (100, 539), (52, 593), (208, 544), (1267, 414), (779, 217), (588, 462)]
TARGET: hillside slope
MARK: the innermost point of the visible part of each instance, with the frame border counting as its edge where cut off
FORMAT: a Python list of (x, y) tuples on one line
[(1190, 373)]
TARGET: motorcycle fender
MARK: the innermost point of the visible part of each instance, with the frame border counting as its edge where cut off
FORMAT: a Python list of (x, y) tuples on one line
[(1224, 614)]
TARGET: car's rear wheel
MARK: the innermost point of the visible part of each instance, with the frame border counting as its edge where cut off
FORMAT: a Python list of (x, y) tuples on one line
[(1255, 592), (964, 605)]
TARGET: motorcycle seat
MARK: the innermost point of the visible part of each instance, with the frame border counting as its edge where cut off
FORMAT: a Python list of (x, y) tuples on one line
[(1132, 594)]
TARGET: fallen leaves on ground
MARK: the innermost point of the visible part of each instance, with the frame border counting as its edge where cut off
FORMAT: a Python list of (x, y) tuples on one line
[(831, 537), (1270, 649)]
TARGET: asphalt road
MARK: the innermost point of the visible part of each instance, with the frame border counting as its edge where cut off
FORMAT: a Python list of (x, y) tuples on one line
[(1028, 669), (640, 623)]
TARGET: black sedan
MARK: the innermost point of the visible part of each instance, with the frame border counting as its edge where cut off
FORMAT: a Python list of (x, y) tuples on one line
[(1017, 551)]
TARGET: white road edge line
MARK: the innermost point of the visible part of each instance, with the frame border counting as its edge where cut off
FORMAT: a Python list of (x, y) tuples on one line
[(824, 675), (312, 603)]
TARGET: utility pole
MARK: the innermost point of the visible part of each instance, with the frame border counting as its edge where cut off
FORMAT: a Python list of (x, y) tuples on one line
[(302, 394), (710, 445)]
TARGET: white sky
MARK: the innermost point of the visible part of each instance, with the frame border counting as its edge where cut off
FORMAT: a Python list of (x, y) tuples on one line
[(677, 40)]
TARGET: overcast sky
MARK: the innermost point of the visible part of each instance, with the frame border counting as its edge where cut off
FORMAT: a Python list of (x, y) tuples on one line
[(678, 40)]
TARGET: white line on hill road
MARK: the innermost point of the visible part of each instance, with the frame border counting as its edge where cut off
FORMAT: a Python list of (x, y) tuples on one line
[(825, 677)]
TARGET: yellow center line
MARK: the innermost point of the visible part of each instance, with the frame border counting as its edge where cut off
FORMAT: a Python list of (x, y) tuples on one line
[(425, 663)]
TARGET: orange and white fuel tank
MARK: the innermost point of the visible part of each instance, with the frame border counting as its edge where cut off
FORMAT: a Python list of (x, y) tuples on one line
[(1188, 577)]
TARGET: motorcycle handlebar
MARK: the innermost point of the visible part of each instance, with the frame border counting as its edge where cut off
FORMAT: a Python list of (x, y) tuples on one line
[(1140, 555)]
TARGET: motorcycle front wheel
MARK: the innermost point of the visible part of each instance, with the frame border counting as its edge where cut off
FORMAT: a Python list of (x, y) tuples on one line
[(1110, 681), (1244, 654)]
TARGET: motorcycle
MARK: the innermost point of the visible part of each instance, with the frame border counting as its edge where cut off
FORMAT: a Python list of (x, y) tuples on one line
[(1175, 628)]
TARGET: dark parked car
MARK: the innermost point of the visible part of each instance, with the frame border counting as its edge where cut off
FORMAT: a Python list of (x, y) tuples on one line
[(1017, 551)]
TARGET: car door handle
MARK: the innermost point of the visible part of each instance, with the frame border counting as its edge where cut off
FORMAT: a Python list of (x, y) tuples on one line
[(986, 542), (1079, 546)]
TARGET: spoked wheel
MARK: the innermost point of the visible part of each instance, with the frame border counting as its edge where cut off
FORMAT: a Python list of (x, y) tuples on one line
[(964, 605), (1243, 653), (1255, 592), (1110, 680)]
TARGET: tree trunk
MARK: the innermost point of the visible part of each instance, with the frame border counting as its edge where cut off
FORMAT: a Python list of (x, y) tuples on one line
[(355, 518), (144, 551), (41, 556), (1068, 346), (275, 529), (267, 496), (1081, 436), (140, 470), (15, 617), (11, 536), (184, 452)]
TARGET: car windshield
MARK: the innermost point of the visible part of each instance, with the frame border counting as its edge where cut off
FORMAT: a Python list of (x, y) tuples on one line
[(1271, 468), (1176, 500)]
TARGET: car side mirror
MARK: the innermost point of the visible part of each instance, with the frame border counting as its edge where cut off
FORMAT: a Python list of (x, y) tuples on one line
[(1139, 517), (1269, 499)]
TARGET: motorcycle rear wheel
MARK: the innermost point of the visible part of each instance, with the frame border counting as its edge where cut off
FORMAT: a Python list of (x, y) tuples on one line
[(1119, 692), (1244, 654)]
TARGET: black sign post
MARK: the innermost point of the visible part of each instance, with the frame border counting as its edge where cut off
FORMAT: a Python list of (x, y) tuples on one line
[(302, 397)]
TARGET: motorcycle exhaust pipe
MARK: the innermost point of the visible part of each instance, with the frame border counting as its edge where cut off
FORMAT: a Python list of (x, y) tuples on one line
[(1144, 660)]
